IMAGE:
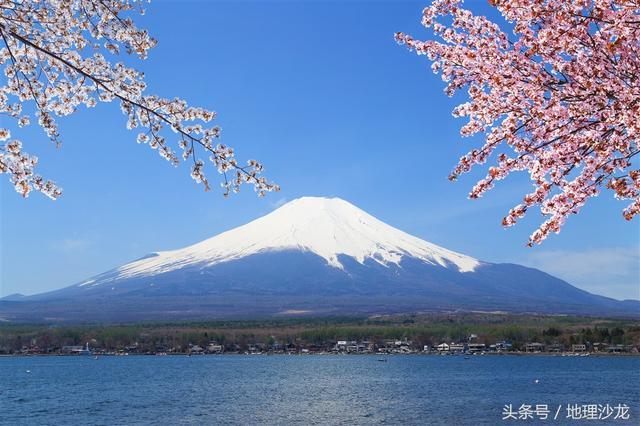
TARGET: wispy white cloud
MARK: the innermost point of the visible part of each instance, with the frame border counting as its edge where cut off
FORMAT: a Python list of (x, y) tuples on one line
[(612, 271), (70, 245)]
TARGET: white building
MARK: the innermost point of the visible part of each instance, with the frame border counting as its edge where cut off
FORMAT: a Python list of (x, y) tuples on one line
[(443, 347)]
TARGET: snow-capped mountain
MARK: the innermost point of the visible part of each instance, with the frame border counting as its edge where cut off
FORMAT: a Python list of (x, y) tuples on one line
[(315, 256), (326, 227)]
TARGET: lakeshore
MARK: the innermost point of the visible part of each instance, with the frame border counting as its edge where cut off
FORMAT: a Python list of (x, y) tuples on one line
[(427, 334), (370, 354)]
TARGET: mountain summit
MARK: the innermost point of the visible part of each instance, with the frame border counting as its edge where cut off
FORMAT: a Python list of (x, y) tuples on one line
[(326, 227), (314, 256)]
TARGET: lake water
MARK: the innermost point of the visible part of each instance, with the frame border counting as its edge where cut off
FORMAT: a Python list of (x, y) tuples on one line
[(281, 389)]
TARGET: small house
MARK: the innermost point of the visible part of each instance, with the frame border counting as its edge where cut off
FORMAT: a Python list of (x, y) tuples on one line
[(535, 347), (578, 348)]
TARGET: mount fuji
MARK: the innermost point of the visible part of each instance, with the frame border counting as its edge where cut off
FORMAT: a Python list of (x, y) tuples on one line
[(313, 256)]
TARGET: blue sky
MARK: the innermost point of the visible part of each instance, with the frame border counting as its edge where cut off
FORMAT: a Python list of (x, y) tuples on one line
[(322, 95)]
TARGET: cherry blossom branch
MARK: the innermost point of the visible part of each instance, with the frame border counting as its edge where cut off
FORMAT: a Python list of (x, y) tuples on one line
[(45, 38), (564, 96)]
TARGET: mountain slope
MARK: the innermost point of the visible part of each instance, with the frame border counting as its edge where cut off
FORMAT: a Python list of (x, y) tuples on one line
[(316, 256), (325, 227)]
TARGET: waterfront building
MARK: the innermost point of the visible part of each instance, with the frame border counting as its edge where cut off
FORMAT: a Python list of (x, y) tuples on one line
[(535, 347)]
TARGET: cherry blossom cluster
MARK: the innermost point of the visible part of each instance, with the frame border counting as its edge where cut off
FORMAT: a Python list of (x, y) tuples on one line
[(560, 99), (19, 166), (60, 55)]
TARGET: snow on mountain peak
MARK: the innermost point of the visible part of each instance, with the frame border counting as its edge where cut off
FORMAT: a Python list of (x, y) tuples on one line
[(327, 227)]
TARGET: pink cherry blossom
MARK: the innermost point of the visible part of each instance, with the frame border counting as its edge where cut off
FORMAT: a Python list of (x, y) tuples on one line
[(559, 98)]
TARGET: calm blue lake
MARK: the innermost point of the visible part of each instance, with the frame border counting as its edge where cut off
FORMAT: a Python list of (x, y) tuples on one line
[(237, 389)]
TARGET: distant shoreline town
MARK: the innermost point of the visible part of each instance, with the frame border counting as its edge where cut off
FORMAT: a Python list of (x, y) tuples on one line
[(344, 347), (444, 334)]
